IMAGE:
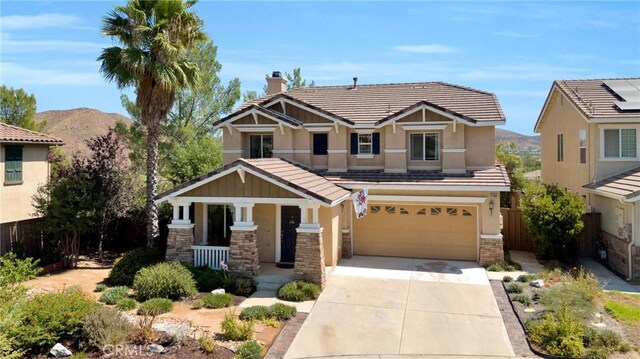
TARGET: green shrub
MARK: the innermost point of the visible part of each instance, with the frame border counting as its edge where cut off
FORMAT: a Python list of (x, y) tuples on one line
[(249, 350), (155, 306), (579, 301), (78, 355), (514, 288), (558, 334), (298, 291), (164, 280), (281, 311), (113, 295), (243, 287), (11, 316), (506, 266), (236, 330), (526, 278), (100, 288), (216, 301), (507, 279), (256, 312), (596, 353), (522, 298), (207, 279), (14, 271), (197, 304), (207, 344), (51, 317), (125, 268), (106, 326), (126, 304), (609, 340), (535, 296)]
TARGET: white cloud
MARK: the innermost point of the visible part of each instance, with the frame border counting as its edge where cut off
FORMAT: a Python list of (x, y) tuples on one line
[(426, 49), (22, 75), (9, 45), (20, 22)]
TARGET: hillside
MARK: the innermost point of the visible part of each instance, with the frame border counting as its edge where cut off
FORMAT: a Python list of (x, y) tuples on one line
[(77, 125), (522, 141)]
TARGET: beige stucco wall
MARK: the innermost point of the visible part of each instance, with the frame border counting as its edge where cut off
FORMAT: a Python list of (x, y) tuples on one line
[(329, 219), (16, 200), (480, 143), (609, 208)]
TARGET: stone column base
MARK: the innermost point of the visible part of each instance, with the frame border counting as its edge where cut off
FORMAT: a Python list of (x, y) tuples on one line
[(179, 242), (243, 253), (635, 257), (491, 250), (347, 250), (309, 263)]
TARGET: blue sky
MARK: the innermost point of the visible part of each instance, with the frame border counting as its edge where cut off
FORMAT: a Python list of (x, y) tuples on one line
[(515, 49)]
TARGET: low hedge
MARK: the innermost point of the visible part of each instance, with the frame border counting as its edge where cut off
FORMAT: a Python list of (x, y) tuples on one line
[(216, 301), (279, 311), (124, 270), (164, 280), (155, 306), (299, 291)]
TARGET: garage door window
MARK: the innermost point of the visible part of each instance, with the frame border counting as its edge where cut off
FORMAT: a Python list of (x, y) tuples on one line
[(452, 211), (435, 211), (375, 209), (466, 213), (403, 211), (390, 209), (422, 212)]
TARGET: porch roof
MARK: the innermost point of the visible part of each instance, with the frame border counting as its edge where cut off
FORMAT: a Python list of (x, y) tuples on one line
[(288, 175), (624, 186)]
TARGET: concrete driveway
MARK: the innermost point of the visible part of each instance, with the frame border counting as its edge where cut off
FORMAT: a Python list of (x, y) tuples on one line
[(390, 306)]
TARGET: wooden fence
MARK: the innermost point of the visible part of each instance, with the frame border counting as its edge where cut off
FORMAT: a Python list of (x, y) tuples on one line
[(22, 237), (516, 235)]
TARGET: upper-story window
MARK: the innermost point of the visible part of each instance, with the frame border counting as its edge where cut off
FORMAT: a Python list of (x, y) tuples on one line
[(560, 147), (365, 144), (320, 143), (424, 146), (13, 165), (582, 145), (620, 143), (260, 146)]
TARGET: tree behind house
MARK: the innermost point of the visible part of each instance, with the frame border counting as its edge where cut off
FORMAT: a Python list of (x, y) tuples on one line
[(18, 108)]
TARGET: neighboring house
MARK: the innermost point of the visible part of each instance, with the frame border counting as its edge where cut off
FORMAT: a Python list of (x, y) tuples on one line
[(24, 166), (590, 135), (292, 160)]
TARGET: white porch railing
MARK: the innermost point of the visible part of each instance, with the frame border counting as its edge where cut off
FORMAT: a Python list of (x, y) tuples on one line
[(210, 256)]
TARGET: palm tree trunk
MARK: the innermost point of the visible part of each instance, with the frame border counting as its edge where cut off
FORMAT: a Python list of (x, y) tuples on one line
[(152, 183)]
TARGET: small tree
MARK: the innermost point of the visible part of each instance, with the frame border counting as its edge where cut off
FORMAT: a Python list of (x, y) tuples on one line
[(18, 108), (554, 219)]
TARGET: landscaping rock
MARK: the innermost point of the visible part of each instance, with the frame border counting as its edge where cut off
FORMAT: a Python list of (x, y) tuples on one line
[(529, 310), (155, 348), (538, 283), (218, 291), (60, 351), (599, 325)]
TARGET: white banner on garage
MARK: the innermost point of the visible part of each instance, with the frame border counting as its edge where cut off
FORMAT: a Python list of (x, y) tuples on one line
[(360, 202)]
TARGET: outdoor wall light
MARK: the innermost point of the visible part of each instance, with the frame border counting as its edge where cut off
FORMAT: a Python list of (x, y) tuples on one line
[(491, 207)]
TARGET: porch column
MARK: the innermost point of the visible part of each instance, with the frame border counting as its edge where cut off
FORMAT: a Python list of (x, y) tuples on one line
[(243, 246), (491, 249), (180, 238), (309, 264)]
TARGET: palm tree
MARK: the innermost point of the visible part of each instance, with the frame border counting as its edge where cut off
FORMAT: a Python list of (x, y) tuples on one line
[(154, 36)]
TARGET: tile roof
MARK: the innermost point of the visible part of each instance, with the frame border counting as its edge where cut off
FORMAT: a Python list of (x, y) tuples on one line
[(371, 104), (15, 134), (625, 185), (496, 176), (594, 98)]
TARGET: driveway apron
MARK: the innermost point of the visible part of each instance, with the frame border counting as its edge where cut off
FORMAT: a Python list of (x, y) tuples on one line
[(403, 306)]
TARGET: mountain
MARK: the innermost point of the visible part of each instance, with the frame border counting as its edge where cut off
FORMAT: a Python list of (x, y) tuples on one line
[(77, 125), (522, 141)]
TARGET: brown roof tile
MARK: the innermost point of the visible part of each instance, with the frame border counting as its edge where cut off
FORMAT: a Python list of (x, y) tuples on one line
[(594, 98), (626, 185), (15, 134)]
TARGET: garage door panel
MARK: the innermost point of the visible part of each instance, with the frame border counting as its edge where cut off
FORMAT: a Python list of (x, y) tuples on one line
[(417, 231)]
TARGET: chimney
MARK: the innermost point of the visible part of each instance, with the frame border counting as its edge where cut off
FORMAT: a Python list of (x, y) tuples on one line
[(355, 83), (276, 83)]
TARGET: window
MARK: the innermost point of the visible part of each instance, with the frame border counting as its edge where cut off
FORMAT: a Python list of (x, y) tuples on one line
[(403, 211), (219, 222), (261, 146), (452, 211), (13, 165), (390, 209), (466, 213), (422, 212), (620, 143), (560, 145), (375, 209), (435, 211), (320, 144), (582, 144), (367, 144), (424, 147)]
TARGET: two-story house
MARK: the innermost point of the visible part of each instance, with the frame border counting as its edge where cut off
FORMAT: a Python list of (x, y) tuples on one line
[(24, 165), (293, 159), (590, 132)]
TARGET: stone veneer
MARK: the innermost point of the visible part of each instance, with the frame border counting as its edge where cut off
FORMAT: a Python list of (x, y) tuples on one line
[(347, 251), (243, 253), (635, 254), (309, 263), (491, 251), (179, 242), (617, 252)]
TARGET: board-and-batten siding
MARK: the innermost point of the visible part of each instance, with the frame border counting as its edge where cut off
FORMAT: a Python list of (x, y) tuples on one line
[(231, 186)]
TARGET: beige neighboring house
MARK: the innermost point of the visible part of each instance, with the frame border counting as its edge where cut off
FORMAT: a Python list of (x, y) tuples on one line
[(24, 165), (590, 137), (293, 159)]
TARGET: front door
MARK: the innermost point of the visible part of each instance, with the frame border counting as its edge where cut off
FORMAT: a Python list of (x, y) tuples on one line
[(290, 220)]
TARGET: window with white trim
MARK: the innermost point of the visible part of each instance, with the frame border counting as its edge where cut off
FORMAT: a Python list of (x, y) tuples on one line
[(365, 143), (424, 146), (620, 143), (582, 145), (261, 146)]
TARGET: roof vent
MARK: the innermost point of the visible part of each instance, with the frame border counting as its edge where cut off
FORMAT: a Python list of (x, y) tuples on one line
[(355, 83), (276, 74)]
